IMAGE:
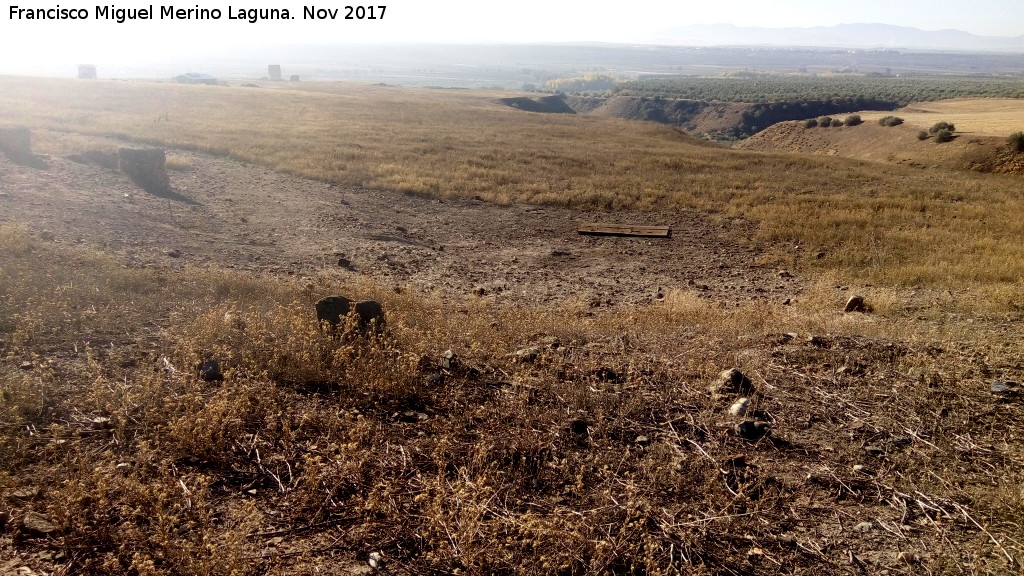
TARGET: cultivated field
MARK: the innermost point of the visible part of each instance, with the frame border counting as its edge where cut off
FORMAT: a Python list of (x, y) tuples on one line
[(980, 117), (539, 401)]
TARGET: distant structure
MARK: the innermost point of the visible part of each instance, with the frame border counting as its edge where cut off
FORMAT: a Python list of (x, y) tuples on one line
[(87, 71), (274, 71), (196, 78), (294, 78)]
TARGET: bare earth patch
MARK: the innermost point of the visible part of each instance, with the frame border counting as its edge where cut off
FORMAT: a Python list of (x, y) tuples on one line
[(232, 214)]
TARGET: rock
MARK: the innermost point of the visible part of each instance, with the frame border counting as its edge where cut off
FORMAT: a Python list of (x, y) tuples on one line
[(26, 493), (861, 469), (740, 407), (332, 309), (855, 304), (173, 253), (449, 360), (26, 365), (864, 527), (527, 354), (579, 427), (731, 382), (1005, 389), (642, 440), (147, 167), (874, 450), (753, 430), (410, 416), (36, 524), (345, 263), (377, 562), (209, 371)]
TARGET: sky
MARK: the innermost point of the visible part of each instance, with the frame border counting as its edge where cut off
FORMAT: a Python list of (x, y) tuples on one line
[(97, 40)]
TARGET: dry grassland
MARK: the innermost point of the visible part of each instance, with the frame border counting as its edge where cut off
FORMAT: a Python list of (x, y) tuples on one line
[(600, 449), (982, 117), (874, 223), (602, 453)]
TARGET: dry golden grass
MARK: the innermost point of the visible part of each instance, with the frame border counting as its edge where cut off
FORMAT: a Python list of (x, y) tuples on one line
[(877, 224), (983, 117), (604, 454)]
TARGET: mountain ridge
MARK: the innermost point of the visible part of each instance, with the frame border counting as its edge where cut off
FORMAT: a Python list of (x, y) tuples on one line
[(856, 35)]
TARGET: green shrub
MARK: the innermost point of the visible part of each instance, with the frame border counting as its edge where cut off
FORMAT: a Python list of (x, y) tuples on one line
[(890, 121), (1016, 141), (922, 135), (810, 123), (943, 135), (941, 126), (852, 120), (825, 121)]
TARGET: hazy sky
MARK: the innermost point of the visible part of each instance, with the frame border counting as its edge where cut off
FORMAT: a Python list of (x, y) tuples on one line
[(95, 40)]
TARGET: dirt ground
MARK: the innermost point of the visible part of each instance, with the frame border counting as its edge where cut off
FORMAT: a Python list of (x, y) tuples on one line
[(225, 213)]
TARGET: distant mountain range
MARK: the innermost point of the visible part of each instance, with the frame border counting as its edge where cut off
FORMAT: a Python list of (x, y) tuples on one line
[(864, 36)]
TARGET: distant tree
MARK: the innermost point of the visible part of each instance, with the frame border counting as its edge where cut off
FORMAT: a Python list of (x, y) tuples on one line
[(810, 123), (941, 126), (943, 135), (852, 120), (1016, 141), (890, 121), (825, 121)]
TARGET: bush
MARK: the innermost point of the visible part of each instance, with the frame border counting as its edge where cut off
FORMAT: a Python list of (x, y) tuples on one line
[(852, 120), (825, 121), (1016, 141), (810, 123), (943, 135), (890, 121), (922, 135), (941, 126)]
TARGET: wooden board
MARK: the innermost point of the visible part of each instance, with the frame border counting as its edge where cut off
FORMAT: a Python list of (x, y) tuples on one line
[(625, 230)]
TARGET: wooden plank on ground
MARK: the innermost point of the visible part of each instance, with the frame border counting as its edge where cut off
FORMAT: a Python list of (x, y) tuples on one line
[(625, 230)]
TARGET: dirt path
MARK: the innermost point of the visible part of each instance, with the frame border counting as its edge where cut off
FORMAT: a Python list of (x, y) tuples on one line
[(238, 215)]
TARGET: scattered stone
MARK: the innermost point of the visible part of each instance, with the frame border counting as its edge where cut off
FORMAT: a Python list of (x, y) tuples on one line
[(864, 527), (817, 341), (36, 524), (413, 416), (642, 440), (345, 263), (736, 461), (173, 253), (862, 469), (26, 365), (819, 255), (785, 274), (874, 450), (333, 308), (1007, 390), (209, 371), (26, 493), (449, 360), (606, 374), (753, 429), (377, 562), (855, 304), (908, 557), (480, 291), (551, 342), (101, 423), (579, 427), (731, 382), (527, 354), (739, 407)]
